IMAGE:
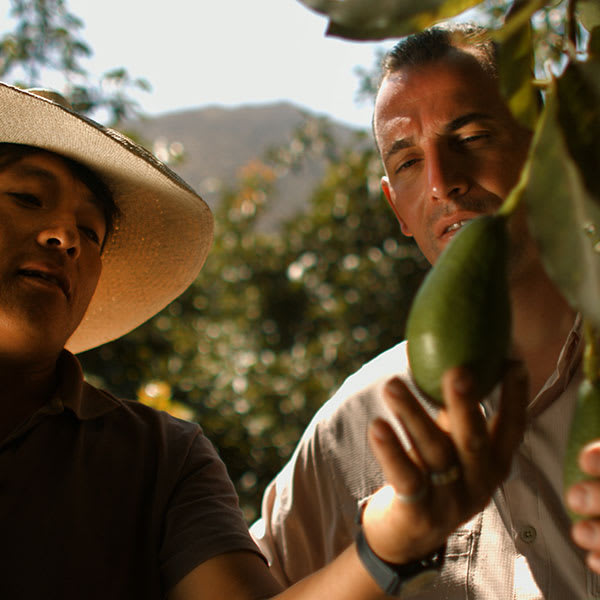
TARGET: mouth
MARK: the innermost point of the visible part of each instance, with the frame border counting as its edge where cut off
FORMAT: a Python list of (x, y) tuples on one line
[(52, 278), (455, 226)]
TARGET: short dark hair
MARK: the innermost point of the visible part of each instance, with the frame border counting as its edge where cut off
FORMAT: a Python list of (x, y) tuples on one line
[(437, 42), (11, 153)]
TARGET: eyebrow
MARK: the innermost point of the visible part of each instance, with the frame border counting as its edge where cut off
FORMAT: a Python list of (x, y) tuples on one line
[(44, 175), (460, 122), (454, 125), (398, 145), (25, 170)]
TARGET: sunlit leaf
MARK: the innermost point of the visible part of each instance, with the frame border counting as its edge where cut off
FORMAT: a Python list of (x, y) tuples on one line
[(564, 214), (578, 93), (588, 12), (518, 19), (380, 19), (516, 64)]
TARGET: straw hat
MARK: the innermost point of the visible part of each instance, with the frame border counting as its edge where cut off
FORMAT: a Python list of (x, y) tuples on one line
[(164, 232)]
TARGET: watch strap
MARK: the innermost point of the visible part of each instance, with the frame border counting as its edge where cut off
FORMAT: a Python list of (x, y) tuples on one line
[(391, 577)]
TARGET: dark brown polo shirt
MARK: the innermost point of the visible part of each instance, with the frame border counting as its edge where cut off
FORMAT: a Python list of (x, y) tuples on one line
[(109, 499)]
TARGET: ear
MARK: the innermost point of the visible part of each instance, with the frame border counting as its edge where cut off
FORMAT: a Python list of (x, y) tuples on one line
[(391, 198)]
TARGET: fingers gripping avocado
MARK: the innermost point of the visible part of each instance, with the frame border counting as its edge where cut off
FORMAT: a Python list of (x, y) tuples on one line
[(461, 313), (584, 429)]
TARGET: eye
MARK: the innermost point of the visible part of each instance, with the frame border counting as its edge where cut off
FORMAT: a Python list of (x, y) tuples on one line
[(407, 165), (91, 234), (25, 199), (471, 139)]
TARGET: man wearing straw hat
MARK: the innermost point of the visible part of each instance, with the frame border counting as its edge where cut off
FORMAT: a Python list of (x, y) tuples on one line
[(104, 498)]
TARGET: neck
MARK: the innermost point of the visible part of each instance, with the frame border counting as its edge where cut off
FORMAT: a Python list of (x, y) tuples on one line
[(542, 320), (25, 386)]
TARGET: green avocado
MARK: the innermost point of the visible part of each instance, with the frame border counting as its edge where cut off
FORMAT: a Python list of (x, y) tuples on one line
[(585, 427), (461, 313)]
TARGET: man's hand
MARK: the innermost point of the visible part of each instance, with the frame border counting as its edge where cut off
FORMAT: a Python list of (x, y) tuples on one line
[(584, 498), (450, 473)]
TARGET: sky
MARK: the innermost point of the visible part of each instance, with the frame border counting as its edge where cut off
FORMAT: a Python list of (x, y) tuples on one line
[(196, 53)]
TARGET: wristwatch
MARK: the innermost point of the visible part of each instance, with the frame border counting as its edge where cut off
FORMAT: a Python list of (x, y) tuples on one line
[(391, 577)]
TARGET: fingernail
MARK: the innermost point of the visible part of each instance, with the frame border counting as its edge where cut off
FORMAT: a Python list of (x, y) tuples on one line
[(577, 498), (380, 430), (462, 381), (584, 533), (590, 459), (394, 387), (593, 561)]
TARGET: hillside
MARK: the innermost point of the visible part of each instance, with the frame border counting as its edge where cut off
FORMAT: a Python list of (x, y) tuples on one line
[(217, 141)]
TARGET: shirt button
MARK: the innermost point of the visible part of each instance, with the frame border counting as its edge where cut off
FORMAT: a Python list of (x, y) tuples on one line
[(528, 534)]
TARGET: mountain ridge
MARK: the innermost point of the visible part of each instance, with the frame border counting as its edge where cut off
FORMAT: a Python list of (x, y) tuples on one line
[(216, 141)]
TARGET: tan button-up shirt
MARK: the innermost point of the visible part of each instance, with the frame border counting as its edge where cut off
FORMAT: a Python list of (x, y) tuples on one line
[(518, 548)]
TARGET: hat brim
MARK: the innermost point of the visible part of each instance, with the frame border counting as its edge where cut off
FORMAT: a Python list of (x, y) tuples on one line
[(162, 236)]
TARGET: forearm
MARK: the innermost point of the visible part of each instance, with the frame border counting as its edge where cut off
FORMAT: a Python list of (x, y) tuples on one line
[(244, 576), (343, 578)]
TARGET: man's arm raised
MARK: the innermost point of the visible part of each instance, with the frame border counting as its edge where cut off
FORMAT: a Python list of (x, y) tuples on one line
[(447, 476)]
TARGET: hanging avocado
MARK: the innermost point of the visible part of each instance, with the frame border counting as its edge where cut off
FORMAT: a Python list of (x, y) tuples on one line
[(461, 313)]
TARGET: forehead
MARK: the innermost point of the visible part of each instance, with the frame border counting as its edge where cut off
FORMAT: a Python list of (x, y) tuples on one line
[(40, 167), (423, 99)]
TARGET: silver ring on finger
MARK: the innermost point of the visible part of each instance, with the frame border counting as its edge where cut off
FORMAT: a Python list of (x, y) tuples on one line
[(445, 477), (412, 498)]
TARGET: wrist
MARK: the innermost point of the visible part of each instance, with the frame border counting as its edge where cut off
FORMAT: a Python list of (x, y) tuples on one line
[(412, 575)]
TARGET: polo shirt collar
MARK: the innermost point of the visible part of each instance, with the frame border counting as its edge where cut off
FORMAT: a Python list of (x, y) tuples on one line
[(75, 394)]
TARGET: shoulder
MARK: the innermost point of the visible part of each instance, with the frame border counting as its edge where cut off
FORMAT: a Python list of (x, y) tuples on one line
[(138, 429), (360, 394), (336, 441)]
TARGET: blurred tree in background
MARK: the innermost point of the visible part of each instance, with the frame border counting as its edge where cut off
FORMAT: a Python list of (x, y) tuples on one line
[(274, 323), (45, 44)]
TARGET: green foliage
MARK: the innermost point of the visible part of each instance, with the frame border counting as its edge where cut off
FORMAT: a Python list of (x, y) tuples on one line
[(588, 12), (379, 19), (275, 323), (46, 39), (564, 209), (516, 66), (45, 35)]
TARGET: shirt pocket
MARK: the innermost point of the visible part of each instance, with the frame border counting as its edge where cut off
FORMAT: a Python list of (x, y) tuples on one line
[(452, 582)]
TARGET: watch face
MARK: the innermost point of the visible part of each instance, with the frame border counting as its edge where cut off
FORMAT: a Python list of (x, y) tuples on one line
[(420, 581)]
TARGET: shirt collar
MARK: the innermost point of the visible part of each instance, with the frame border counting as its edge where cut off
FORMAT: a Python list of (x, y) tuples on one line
[(568, 363), (75, 394)]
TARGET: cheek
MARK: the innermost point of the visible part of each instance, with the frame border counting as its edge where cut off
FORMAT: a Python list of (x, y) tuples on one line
[(93, 270), (502, 173), (405, 203)]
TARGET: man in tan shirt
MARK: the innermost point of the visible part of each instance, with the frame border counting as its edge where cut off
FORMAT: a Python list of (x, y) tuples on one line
[(451, 151)]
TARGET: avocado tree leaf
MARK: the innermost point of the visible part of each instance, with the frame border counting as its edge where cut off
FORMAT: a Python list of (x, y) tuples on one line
[(578, 93), (516, 67), (588, 12), (559, 190), (594, 43), (380, 19)]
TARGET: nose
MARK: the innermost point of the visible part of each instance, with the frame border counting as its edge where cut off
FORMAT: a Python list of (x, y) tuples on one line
[(61, 235), (447, 179)]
